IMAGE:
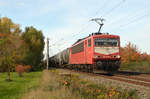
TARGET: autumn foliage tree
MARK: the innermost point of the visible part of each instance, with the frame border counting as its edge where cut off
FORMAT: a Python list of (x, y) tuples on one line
[(12, 48), (130, 53), (12, 52), (9, 27), (17, 47)]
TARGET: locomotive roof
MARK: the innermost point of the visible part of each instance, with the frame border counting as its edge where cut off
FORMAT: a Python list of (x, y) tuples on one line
[(94, 34)]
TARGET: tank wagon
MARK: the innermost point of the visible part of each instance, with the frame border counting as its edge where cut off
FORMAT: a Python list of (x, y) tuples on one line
[(98, 51), (60, 59)]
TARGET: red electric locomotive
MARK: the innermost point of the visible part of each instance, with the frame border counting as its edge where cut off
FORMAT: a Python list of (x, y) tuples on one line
[(97, 51)]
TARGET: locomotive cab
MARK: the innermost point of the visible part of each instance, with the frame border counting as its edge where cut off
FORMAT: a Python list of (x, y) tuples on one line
[(106, 52)]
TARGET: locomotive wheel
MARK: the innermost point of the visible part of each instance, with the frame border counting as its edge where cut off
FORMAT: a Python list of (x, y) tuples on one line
[(89, 68), (82, 68)]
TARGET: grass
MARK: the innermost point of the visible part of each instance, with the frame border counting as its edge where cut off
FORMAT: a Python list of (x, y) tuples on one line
[(56, 85), (50, 88), (19, 85), (89, 90), (136, 66)]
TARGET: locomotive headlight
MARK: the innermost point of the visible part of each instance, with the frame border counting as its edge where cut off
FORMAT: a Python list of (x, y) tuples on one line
[(118, 56), (97, 56)]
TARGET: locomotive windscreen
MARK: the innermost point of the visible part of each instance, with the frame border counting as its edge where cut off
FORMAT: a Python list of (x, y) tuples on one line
[(106, 42)]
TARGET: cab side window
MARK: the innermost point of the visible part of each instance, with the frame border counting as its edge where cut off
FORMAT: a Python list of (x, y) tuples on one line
[(89, 42)]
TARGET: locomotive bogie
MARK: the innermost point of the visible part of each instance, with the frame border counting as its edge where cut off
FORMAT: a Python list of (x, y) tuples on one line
[(108, 65)]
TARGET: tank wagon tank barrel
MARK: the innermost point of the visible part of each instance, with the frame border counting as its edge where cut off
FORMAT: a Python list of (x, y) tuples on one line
[(60, 58)]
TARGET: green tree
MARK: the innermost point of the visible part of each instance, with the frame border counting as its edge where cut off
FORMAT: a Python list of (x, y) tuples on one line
[(35, 41)]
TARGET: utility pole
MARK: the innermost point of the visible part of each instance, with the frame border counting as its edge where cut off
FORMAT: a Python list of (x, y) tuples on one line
[(98, 21), (47, 55)]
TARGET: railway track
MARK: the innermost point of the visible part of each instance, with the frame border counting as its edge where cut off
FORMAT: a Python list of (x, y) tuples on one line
[(140, 79), (132, 80), (133, 73)]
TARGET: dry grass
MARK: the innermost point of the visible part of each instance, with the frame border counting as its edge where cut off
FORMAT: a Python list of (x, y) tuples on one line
[(58, 85), (51, 89), (136, 66)]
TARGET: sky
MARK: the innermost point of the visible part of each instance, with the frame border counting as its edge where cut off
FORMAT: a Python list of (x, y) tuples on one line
[(65, 21)]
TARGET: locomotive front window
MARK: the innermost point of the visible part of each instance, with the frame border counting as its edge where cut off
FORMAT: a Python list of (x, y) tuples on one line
[(106, 42)]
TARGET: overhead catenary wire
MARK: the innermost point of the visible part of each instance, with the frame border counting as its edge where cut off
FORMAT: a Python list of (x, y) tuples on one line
[(129, 17), (102, 7), (111, 10), (133, 20), (114, 8), (99, 9), (57, 42), (137, 19), (106, 3), (60, 46)]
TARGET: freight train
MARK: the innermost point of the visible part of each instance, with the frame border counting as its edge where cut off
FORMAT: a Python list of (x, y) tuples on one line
[(98, 51)]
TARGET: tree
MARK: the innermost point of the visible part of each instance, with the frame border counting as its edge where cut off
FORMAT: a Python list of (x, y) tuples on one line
[(7, 26), (35, 41), (130, 53), (11, 51)]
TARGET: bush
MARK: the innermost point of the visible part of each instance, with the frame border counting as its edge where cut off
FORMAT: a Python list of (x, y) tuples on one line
[(20, 70), (27, 68)]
